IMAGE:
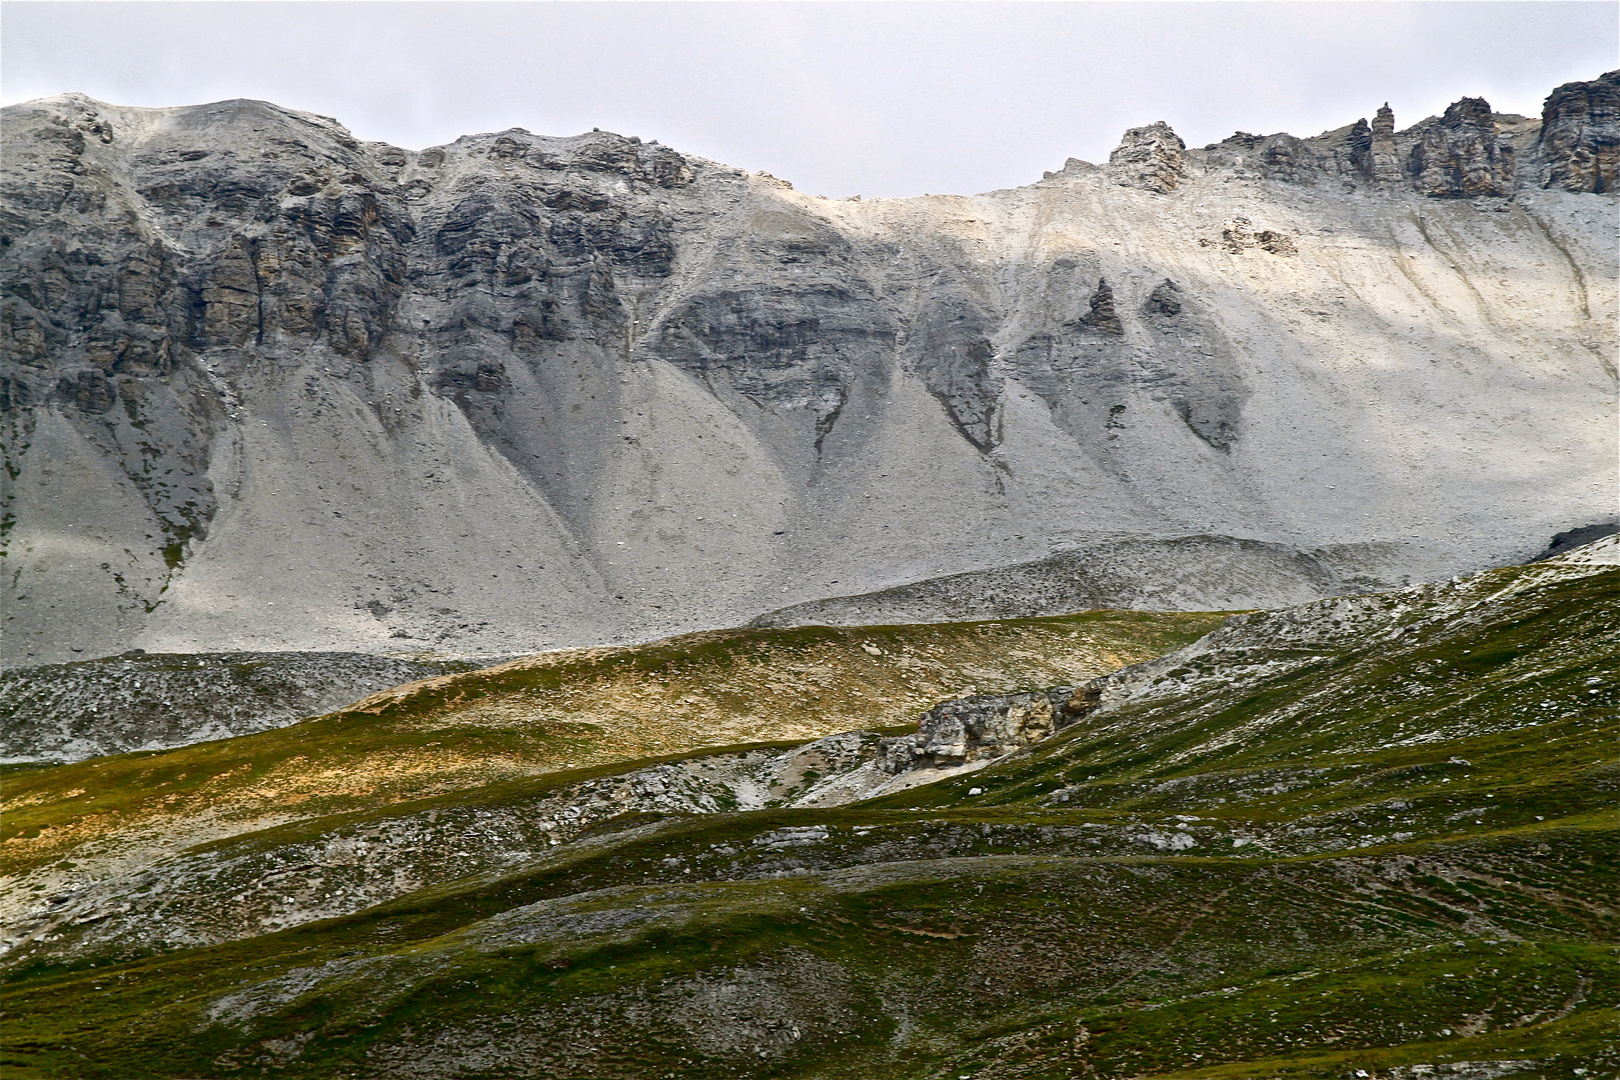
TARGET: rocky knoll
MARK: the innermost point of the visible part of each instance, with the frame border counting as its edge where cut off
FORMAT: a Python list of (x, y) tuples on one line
[(1212, 573), (266, 386)]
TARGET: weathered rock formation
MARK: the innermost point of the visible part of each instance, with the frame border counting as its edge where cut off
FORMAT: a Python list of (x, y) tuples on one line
[(1580, 135), (1149, 158), (267, 386), (1382, 161), (977, 729), (1460, 156)]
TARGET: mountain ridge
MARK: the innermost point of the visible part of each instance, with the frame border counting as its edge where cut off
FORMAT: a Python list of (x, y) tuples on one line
[(268, 387)]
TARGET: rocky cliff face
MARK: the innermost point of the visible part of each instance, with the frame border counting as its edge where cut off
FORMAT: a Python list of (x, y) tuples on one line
[(1580, 135), (1461, 155), (266, 386)]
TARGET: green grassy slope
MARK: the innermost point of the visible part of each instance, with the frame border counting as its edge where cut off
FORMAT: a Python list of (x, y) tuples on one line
[(548, 714), (1348, 839)]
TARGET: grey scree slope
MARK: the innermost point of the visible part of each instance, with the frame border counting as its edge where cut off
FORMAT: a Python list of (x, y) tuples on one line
[(266, 387), (68, 712)]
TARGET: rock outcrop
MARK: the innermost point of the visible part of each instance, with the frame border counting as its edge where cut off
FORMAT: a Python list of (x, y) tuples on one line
[(1101, 314), (1149, 158), (1460, 156), (1580, 135), (1383, 161), (1469, 152), (977, 729)]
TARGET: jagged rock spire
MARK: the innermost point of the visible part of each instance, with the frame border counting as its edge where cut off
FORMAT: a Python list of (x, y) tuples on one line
[(1150, 157), (1385, 162), (1102, 315)]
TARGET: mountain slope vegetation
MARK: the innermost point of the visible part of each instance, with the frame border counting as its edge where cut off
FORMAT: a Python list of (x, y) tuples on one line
[(1364, 836), (75, 833)]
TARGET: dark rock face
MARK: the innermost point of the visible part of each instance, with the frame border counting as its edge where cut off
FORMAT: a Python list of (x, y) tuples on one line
[(1194, 369), (89, 391), (1087, 369), (1468, 152), (958, 376), (1102, 315), (1164, 301), (1150, 158), (1570, 539), (1580, 135), (1461, 157)]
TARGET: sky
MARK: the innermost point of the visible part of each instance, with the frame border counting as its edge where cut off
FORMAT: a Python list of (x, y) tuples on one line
[(875, 99)]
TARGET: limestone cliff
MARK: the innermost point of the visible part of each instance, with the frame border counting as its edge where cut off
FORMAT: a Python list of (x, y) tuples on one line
[(267, 386)]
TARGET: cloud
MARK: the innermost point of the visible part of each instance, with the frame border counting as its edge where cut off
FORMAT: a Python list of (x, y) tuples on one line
[(840, 98)]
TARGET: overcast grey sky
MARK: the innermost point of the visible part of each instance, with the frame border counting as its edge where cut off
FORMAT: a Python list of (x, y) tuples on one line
[(840, 98)]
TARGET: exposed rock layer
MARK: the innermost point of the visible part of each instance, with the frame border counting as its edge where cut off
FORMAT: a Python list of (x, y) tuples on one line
[(1580, 135)]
